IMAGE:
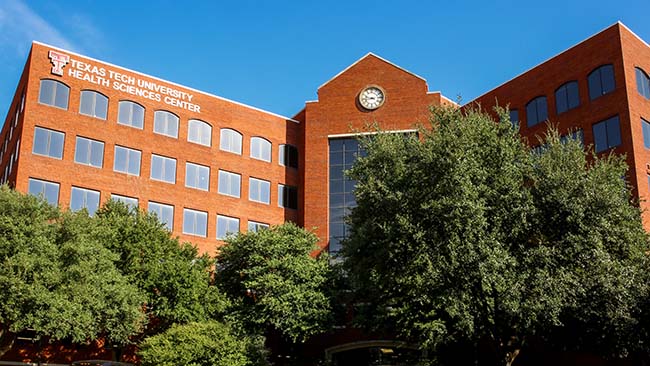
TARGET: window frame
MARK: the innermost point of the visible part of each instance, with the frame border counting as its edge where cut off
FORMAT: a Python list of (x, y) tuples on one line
[(54, 94), (538, 117), (257, 147), (42, 194), (643, 83), (200, 125), (567, 96), (610, 144), (228, 219), (602, 92), (168, 224), (128, 160), (199, 166), (259, 191), (229, 175), (164, 131), (257, 225), (131, 113), (231, 133), (196, 213), (281, 195), (85, 191), (132, 202), (48, 145), (89, 152), (95, 94), (164, 160)]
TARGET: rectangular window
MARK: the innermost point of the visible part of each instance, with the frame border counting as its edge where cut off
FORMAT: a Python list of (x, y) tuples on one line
[(47, 143), (163, 168), (89, 152), (81, 198), (195, 222), (46, 190), (254, 226), (127, 160), (259, 190), (288, 156), (197, 176), (287, 196), (607, 134), (226, 225), (129, 201), (165, 213), (229, 183), (645, 125)]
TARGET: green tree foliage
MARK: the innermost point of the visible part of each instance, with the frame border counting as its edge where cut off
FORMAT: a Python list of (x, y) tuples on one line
[(274, 282), (200, 344), (463, 236), (176, 280), (57, 279)]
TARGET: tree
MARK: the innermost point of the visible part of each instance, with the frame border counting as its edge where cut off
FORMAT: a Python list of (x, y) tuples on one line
[(200, 343), (274, 282), (57, 279), (177, 280), (462, 236)]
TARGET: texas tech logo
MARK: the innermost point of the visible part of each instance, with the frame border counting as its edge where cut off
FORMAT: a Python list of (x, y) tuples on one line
[(59, 60)]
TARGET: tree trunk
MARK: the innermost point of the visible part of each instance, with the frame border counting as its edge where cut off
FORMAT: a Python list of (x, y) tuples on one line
[(511, 356), (7, 339)]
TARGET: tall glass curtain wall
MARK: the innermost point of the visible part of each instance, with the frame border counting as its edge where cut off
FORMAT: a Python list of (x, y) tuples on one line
[(343, 154)]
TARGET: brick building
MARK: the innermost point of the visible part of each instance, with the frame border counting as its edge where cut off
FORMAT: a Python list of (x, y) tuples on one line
[(81, 131)]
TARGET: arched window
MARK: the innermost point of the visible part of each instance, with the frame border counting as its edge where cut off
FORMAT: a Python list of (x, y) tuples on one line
[(130, 114), (601, 81), (93, 104), (260, 149), (536, 111), (230, 141), (165, 123), (288, 155), (199, 132), (642, 83), (567, 97), (54, 93)]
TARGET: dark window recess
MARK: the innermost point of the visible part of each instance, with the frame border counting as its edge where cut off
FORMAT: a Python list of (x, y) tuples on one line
[(536, 111), (514, 117), (289, 156), (643, 83), (288, 197), (567, 97), (601, 81), (607, 134)]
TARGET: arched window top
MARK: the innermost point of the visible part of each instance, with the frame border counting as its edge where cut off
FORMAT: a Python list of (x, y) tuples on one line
[(130, 114), (199, 132), (93, 103), (165, 123), (642, 82), (567, 97), (260, 148), (536, 111), (288, 155), (54, 93), (601, 81), (230, 140)]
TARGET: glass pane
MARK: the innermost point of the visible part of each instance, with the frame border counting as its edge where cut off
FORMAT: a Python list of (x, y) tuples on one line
[(120, 159), (134, 162), (97, 154), (156, 167), (561, 100), (170, 170), (46, 94), (204, 177), (138, 115), (124, 112), (56, 145), (595, 87), (101, 106), (61, 99), (542, 109), (613, 132), (86, 103), (201, 224), (92, 201), (81, 150), (52, 193), (645, 125), (600, 136), (40, 141), (188, 221), (607, 77), (573, 95)]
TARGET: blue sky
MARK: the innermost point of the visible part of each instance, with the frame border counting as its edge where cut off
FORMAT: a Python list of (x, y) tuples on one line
[(274, 54)]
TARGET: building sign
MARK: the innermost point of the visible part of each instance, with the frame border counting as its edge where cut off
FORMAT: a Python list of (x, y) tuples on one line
[(58, 60), (118, 80)]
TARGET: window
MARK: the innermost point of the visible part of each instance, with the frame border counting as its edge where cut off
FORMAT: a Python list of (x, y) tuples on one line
[(131, 202), (229, 183), (199, 132), (165, 123), (514, 118), (574, 135), (163, 168), (89, 152), (197, 176), (84, 198), (195, 222), (165, 213), (260, 149), (607, 134), (127, 160), (536, 111), (645, 125), (93, 104), (130, 114), (17, 150), (642, 83), (230, 141), (601, 81), (259, 190), (226, 225), (288, 156), (47, 143), (46, 190), (254, 226), (54, 93), (287, 196), (567, 97)]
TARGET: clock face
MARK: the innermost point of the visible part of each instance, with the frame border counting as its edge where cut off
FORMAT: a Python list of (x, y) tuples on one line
[(371, 97)]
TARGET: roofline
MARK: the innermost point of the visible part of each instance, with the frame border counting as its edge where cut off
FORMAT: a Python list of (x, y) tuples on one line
[(167, 81), (379, 57), (634, 34), (550, 58)]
